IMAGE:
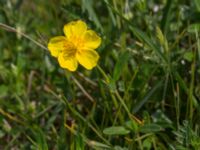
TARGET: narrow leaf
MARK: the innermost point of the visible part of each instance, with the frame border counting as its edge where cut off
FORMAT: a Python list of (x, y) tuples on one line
[(193, 28), (146, 98), (98, 144), (120, 65), (147, 128), (146, 39), (40, 138), (116, 130), (197, 4)]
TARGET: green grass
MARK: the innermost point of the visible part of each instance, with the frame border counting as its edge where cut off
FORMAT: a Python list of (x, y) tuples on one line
[(144, 94)]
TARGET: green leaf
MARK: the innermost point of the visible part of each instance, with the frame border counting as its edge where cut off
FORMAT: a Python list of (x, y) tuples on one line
[(160, 35), (147, 128), (148, 41), (162, 39), (183, 85), (98, 145), (141, 4), (167, 16), (193, 28), (40, 138), (120, 65), (132, 125), (120, 148), (189, 56), (147, 97), (88, 5), (79, 142), (142, 36), (116, 130), (147, 143), (2, 134), (3, 90), (197, 4)]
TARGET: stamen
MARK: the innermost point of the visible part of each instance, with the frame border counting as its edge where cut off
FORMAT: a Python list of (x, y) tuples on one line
[(70, 50)]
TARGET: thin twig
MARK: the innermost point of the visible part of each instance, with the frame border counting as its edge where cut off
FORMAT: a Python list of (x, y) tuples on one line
[(30, 78), (12, 29), (13, 118), (87, 79), (83, 90)]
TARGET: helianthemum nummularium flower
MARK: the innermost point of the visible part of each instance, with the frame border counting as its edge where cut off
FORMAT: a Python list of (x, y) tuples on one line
[(77, 46)]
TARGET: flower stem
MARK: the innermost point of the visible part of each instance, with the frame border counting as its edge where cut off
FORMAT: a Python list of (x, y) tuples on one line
[(117, 95)]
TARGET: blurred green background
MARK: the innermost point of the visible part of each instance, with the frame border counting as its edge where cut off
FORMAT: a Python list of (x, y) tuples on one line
[(145, 95)]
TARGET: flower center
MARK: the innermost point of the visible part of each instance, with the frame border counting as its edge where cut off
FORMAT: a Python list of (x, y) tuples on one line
[(77, 41), (70, 50)]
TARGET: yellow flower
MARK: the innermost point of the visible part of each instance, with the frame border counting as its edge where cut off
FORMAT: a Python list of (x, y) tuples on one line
[(77, 46)]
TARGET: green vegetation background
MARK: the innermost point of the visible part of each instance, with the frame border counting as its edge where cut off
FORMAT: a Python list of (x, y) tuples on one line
[(145, 95)]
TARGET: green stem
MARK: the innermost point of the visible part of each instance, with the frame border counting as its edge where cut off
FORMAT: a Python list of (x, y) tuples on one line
[(116, 105), (192, 87), (123, 104), (104, 74), (115, 94)]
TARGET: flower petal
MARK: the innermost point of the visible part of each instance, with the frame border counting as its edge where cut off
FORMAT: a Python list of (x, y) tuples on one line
[(69, 63), (91, 39), (87, 58), (56, 45), (75, 28)]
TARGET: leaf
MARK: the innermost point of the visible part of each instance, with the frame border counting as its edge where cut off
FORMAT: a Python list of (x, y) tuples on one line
[(193, 28), (120, 148), (79, 143), (3, 90), (40, 138), (98, 144), (147, 143), (132, 125), (116, 130), (167, 15), (162, 39), (148, 41), (139, 34), (197, 4), (88, 5), (141, 5), (147, 97), (189, 56), (147, 128), (183, 86), (120, 65), (112, 16), (160, 35)]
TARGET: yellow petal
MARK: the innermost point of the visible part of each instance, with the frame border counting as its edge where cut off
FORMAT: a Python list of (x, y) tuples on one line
[(56, 45), (75, 28), (87, 58), (91, 40), (69, 63)]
